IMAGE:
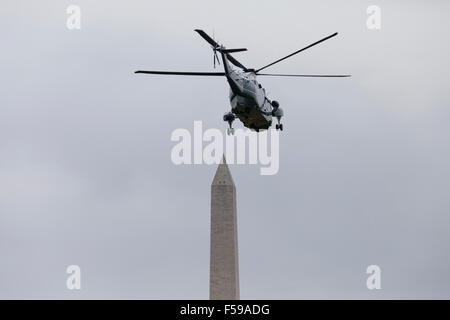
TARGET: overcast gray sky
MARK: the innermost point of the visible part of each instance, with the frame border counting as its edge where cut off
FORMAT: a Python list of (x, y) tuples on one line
[(85, 170)]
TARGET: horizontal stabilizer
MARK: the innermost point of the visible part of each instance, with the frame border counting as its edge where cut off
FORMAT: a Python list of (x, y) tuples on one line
[(232, 50), (214, 44)]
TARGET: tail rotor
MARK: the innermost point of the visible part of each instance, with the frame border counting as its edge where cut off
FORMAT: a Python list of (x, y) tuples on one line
[(216, 58), (214, 48)]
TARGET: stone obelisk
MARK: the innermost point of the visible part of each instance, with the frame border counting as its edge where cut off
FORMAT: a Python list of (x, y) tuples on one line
[(224, 264)]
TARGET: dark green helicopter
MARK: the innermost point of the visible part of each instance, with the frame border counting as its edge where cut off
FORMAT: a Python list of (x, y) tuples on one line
[(248, 98)]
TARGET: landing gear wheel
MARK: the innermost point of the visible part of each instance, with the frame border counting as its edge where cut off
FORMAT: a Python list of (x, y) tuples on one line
[(229, 117), (230, 131), (279, 126)]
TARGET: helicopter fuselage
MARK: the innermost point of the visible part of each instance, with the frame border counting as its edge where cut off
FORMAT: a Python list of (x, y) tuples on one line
[(248, 99)]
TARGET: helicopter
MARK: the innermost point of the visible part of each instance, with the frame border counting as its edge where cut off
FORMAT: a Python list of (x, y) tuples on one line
[(248, 99)]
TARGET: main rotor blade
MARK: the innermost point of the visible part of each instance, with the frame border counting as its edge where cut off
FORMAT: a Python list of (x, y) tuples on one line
[(235, 62), (305, 75), (205, 36), (311, 45), (177, 73)]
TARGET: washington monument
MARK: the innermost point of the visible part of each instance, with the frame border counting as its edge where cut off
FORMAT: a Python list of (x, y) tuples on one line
[(224, 264)]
